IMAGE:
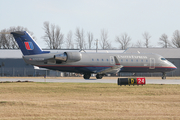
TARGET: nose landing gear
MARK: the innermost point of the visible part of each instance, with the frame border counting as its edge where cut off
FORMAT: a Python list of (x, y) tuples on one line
[(163, 76)]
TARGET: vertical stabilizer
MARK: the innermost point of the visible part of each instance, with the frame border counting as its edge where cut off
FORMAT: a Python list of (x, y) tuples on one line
[(27, 44)]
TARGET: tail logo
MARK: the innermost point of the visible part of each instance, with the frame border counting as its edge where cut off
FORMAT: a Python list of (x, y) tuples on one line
[(29, 45)]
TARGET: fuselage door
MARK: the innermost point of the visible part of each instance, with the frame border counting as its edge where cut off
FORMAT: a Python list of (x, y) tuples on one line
[(152, 63), (111, 60)]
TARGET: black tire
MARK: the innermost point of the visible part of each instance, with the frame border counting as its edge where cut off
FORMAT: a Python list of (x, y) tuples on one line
[(99, 76), (87, 76)]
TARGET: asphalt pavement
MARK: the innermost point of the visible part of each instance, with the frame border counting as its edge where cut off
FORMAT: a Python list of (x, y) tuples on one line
[(81, 80)]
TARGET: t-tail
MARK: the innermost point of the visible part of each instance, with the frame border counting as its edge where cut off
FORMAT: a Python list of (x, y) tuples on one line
[(27, 44)]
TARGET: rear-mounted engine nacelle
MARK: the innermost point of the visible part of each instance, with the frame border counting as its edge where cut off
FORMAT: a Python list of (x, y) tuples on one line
[(61, 57), (68, 57)]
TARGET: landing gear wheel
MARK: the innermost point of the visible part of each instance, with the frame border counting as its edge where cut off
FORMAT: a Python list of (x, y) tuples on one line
[(164, 76), (99, 76), (87, 76)]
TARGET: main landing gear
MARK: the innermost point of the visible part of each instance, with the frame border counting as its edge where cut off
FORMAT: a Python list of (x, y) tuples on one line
[(163, 75), (99, 76), (88, 75)]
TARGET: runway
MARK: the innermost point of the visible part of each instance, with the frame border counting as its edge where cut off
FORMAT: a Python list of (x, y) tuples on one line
[(81, 80)]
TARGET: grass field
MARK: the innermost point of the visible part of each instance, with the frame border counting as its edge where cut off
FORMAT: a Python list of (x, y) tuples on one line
[(29, 101)]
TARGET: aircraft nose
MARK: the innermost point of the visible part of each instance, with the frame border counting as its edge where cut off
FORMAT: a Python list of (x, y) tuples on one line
[(173, 66)]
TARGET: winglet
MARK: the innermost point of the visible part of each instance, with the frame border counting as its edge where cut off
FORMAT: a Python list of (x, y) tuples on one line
[(116, 61), (114, 69)]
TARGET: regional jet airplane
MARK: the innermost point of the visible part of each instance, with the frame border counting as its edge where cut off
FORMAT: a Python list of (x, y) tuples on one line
[(90, 63)]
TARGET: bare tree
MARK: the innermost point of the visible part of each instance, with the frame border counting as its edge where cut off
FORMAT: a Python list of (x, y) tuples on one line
[(7, 41), (90, 39), (138, 44), (5, 44), (163, 41), (81, 44), (53, 36), (59, 37), (105, 44), (12, 41), (69, 41), (176, 39), (123, 41), (47, 36), (146, 36)]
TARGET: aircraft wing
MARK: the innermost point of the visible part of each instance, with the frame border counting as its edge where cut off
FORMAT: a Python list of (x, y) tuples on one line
[(115, 69), (39, 68)]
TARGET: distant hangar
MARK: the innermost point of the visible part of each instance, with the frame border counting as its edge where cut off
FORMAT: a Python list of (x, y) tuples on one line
[(12, 64)]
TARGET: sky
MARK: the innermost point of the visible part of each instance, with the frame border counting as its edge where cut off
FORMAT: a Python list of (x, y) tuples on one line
[(133, 17)]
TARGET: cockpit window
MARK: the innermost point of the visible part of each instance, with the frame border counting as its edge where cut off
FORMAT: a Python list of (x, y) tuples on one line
[(163, 59)]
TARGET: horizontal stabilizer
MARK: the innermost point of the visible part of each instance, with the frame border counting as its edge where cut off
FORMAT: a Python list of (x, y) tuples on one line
[(5, 33)]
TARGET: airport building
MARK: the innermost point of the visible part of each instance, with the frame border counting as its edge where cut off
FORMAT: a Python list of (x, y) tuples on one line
[(12, 64)]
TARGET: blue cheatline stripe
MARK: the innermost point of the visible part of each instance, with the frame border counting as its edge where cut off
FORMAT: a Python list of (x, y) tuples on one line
[(31, 45)]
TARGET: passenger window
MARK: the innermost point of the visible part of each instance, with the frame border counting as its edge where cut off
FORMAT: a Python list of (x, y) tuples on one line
[(141, 60), (136, 60), (121, 60), (127, 60), (146, 60), (107, 59), (97, 59), (92, 59), (132, 60), (111, 59), (102, 60)]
